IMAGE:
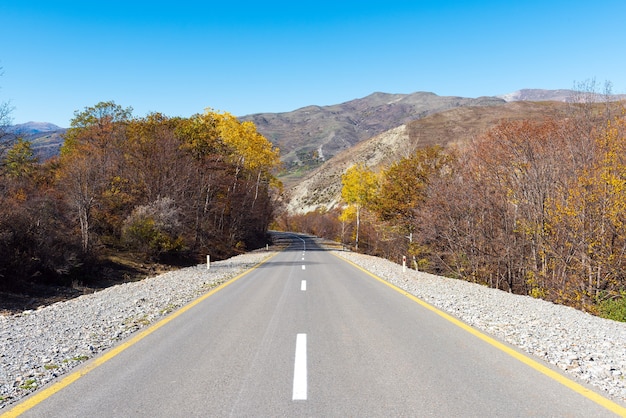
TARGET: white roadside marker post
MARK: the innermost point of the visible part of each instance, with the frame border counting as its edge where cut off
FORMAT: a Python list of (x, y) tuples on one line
[(208, 262), (404, 264)]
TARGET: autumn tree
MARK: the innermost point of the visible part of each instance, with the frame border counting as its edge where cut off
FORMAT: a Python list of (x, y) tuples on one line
[(587, 225), (404, 188), (36, 244), (154, 161), (90, 155), (359, 185), (20, 161), (199, 140), (182, 160), (524, 162), (346, 217), (155, 228), (492, 213), (255, 160), (234, 168), (251, 150)]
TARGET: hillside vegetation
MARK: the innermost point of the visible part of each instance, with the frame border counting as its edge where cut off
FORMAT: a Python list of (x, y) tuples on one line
[(534, 204), (311, 135), (527, 197), (46, 138), (322, 187), (132, 190)]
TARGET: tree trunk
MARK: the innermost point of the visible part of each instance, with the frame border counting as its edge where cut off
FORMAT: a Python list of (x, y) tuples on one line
[(83, 216), (358, 225)]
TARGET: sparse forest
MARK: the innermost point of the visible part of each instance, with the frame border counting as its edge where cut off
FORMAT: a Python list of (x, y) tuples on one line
[(151, 189), (533, 207), (530, 207)]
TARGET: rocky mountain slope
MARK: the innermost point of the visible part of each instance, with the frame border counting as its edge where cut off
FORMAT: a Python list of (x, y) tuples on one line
[(313, 134), (322, 187), (34, 128), (309, 136), (46, 138)]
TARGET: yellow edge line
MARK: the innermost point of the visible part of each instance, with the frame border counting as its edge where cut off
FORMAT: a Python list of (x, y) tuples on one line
[(576, 387), (38, 397)]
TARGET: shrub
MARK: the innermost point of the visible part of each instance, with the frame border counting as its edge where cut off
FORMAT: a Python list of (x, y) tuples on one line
[(153, 229), (614, 308)]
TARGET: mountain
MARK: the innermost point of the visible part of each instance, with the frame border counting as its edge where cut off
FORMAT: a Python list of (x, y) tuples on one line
[(47, 144), (311, 135), (322, 187), (34, 128), (570, 96), (46, 138)]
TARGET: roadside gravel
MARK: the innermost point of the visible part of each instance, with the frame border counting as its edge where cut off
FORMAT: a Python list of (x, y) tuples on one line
[(40, 345)]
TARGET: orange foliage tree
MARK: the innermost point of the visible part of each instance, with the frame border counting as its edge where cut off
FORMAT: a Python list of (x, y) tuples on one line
[(159, 188), (530, 207)]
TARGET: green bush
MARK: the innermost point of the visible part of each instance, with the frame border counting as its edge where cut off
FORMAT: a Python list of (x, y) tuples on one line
[(144, 235), (614, 308)]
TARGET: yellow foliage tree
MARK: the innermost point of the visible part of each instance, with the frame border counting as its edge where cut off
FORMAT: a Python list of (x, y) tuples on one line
[(404, 186), (200, 135), (359, 185), (251, 151), (587, 225), (214, 133)]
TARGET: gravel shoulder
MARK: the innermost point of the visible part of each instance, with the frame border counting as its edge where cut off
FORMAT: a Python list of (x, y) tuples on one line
[(37, 346), (40, 345)]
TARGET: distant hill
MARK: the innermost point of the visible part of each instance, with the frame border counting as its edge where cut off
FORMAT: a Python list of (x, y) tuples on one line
[(570, 96), (46, 138), (311, 135), (322, 187), (34, 128)]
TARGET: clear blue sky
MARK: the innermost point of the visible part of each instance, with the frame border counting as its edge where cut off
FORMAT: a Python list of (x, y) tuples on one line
[(180, 57)]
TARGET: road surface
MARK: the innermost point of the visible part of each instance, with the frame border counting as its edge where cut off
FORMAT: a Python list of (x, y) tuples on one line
[(308, 334)]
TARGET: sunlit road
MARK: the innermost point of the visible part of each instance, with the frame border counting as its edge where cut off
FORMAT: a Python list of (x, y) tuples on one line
[(308, 334)]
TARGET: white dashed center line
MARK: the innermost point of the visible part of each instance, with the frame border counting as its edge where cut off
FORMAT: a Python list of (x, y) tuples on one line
[(300, 370)]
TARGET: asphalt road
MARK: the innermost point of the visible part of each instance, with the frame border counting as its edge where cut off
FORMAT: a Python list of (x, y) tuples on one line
[(308, 334)]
